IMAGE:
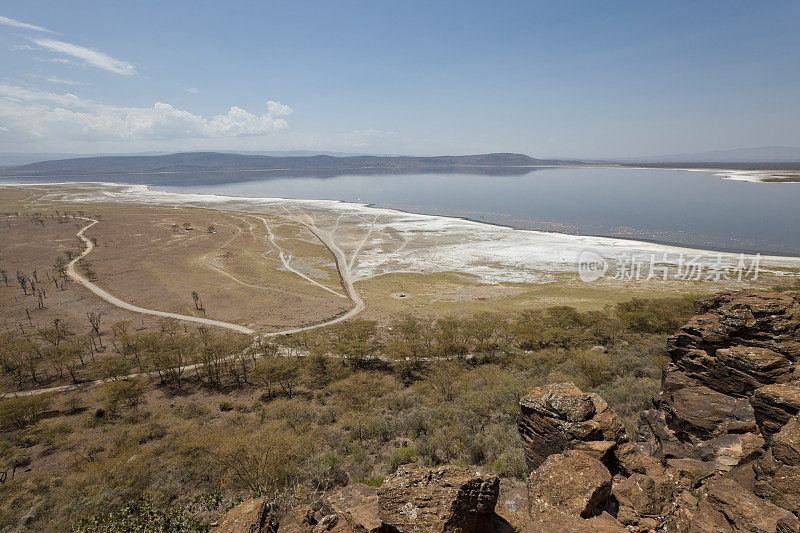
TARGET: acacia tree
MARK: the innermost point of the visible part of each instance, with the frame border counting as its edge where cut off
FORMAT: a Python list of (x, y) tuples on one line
[(412, 339), (356, 340)]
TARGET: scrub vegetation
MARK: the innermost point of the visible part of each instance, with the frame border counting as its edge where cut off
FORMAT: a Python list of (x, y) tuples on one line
[(220, 417)]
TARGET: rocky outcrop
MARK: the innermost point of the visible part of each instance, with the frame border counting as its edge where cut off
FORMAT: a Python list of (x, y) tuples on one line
[(731, 380), (719, 451), (561, 417), (448, 498)]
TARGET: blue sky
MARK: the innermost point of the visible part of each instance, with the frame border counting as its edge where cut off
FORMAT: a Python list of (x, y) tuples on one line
[(572, 79)]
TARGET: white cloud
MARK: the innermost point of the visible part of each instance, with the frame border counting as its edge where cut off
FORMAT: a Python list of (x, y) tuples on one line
[(193, 90), (278, 109), (59, 81), (23, 25), (49, 117), (88, 56)]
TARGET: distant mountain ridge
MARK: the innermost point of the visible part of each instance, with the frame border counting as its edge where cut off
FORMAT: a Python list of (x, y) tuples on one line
[(762, 154), (13, 159), (218, 161)]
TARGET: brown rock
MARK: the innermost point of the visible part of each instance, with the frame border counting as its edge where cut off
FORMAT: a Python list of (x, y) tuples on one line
[(740, 318), (512, 505), (357, 504), (605, 523), (726, 506), (571, 483), (682, 518), (727, 451), (774, 405), (447, 498), (560, 417), (645, 495), (778, 482), (702, 412), (689, 473), (785, 444), (250, 516), (655, 438), (778, 471), (629, 460)]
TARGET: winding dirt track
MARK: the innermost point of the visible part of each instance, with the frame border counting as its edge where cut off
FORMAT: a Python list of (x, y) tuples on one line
[(342, 265), (113, 300)]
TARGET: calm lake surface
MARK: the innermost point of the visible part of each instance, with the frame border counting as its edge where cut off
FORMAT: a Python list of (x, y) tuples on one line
[(685, 208)]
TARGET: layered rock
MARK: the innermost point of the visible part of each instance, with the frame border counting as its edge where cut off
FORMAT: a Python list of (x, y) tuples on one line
[(778, 471), (561, 417), (448, 498), (731, 376), (774, 405)]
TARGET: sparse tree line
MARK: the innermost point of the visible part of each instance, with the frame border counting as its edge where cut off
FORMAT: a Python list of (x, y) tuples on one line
[(40, 218), (36, 283), (175, 353)]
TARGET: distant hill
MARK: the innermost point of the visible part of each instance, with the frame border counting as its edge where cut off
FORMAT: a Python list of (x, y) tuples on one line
[(8, 159), (764, 154), (190, 166)]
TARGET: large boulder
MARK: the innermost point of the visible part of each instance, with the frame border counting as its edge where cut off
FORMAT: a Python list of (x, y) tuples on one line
[(726, 506), (642, 495), (704, 413), (561, 417), (250, 516), (433, 500), (571, 483), (356, 504)]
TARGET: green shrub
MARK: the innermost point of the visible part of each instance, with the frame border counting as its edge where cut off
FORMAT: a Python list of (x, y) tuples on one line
[(400, 456), (20, 412)]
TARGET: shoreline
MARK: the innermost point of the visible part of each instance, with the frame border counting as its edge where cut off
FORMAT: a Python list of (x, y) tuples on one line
[(552, 248)]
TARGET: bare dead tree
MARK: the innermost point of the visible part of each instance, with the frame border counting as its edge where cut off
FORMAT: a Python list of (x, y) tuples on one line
[(94, 319), (4, 276), (198, 303), (23, 281)]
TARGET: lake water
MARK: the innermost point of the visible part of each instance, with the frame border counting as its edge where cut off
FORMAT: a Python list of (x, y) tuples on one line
[(694, 209)]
